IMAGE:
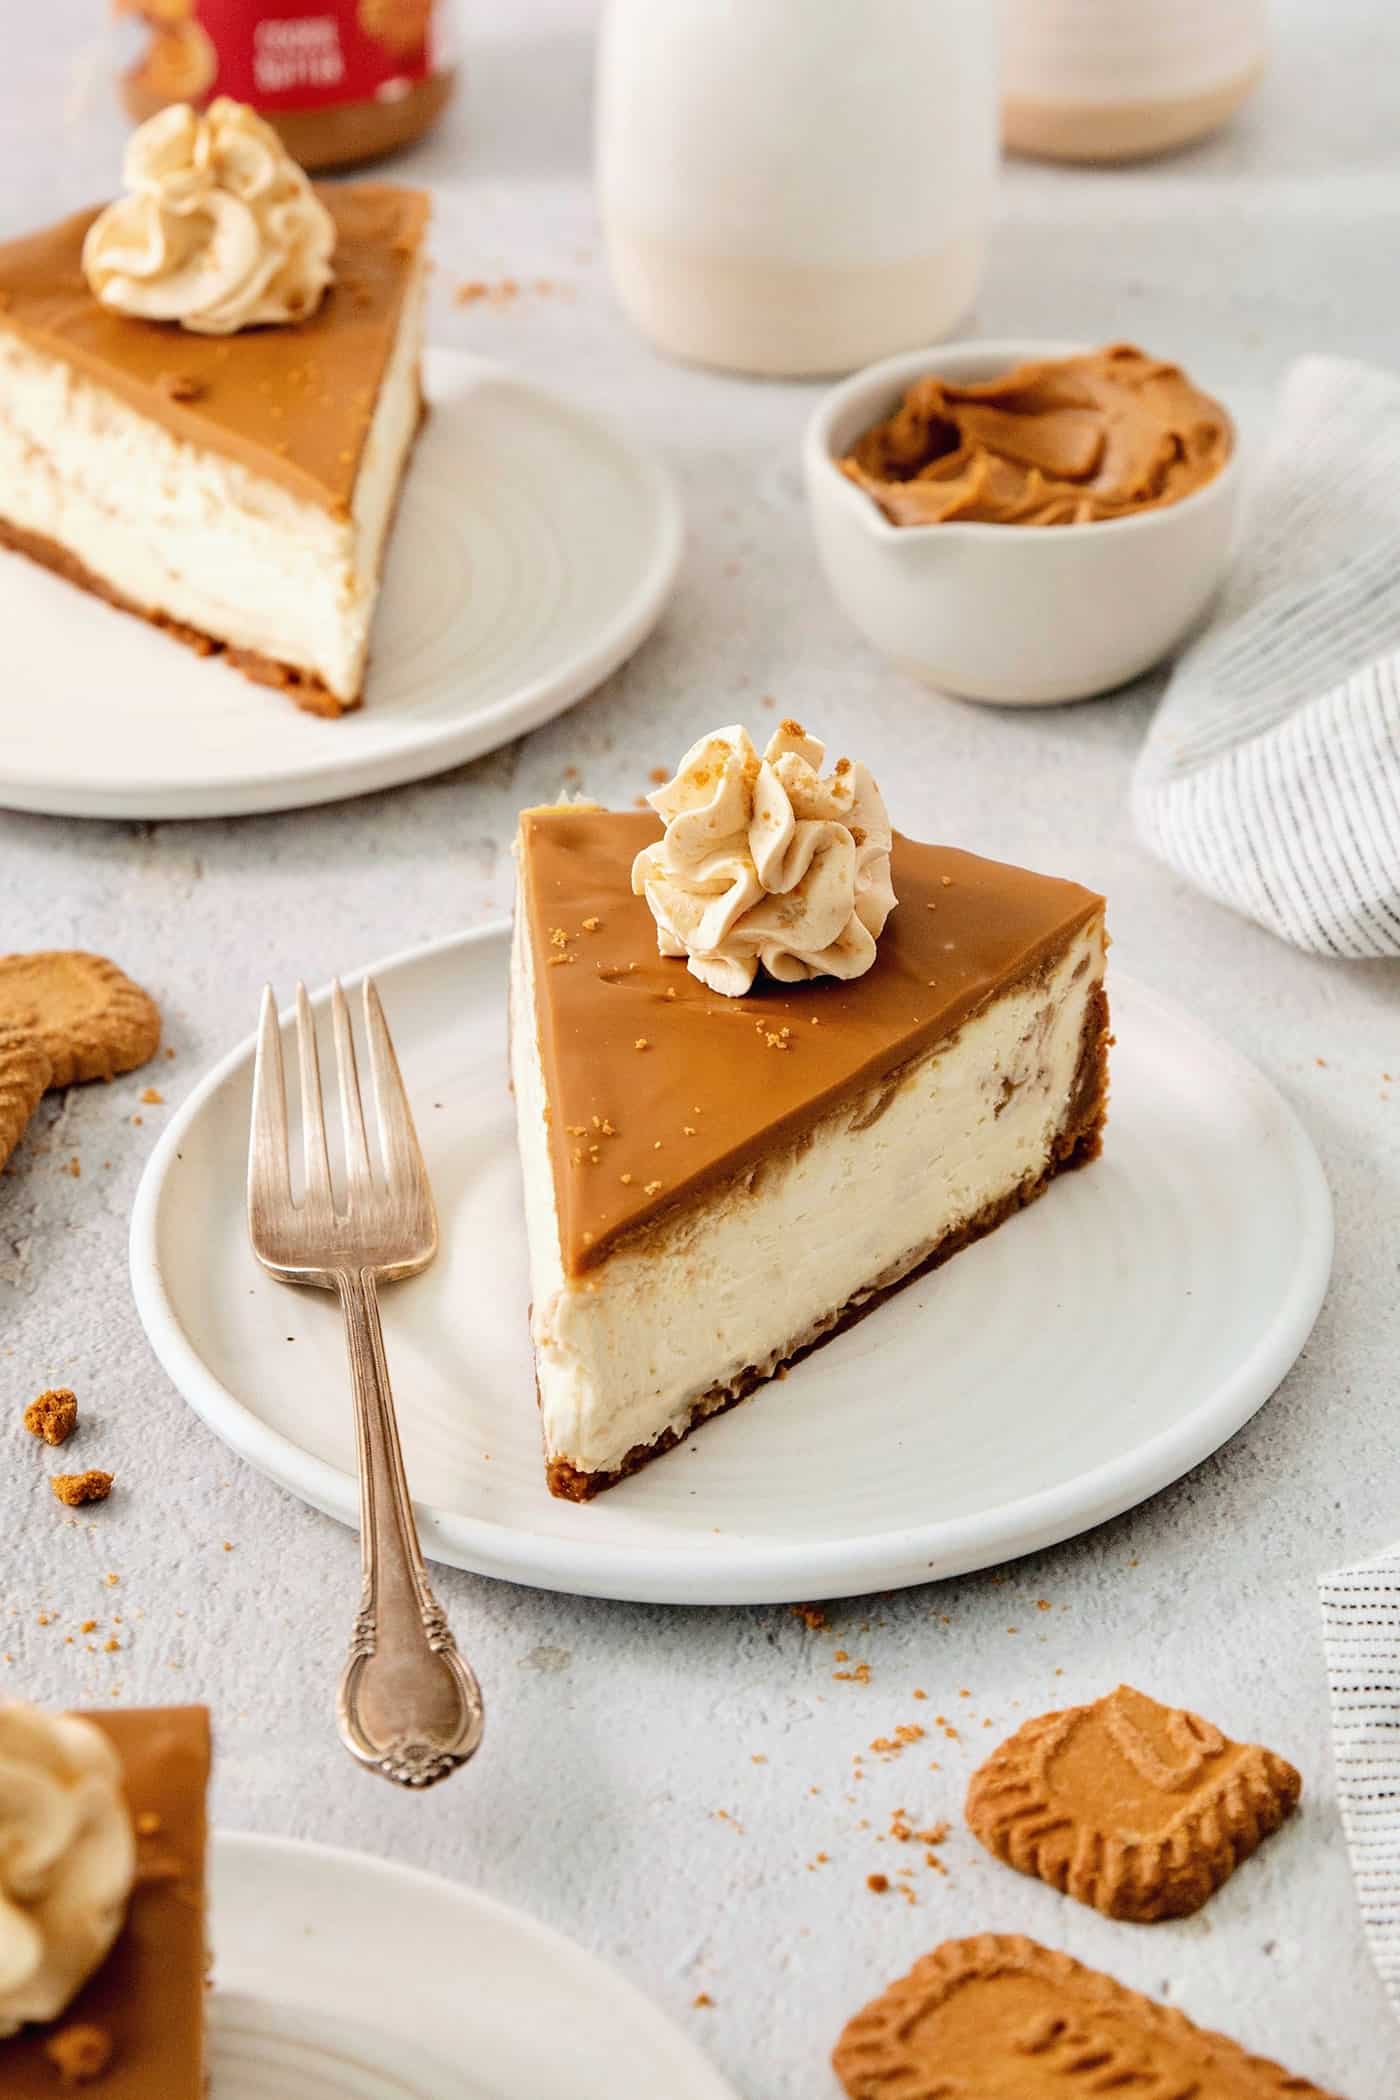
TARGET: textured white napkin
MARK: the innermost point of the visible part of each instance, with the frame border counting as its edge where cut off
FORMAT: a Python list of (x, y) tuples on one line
[(1271, 773), (1361, 1633)]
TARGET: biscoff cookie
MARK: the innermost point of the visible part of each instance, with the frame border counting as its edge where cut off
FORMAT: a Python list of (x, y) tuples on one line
[(1140, 1810), (1001, 2015), (26, 1070), (85, 1012)]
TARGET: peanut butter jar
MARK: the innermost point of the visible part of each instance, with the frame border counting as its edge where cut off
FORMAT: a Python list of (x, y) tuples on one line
[(341, 80)]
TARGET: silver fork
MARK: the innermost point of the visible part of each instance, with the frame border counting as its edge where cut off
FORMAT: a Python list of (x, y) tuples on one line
[(408, 1707)]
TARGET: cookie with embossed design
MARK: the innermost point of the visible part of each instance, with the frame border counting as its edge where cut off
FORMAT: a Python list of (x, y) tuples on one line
[(85, 1013), (1003, 2018), (1140, 1810)]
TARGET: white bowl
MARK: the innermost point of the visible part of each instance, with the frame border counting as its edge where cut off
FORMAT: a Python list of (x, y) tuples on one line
[(1020, 614)]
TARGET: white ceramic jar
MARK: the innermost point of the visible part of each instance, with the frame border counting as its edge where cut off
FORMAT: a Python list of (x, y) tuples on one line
[(1120, 79), (796, 186)]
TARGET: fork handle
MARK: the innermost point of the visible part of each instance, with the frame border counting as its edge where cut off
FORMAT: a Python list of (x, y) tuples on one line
[(409, 1707)]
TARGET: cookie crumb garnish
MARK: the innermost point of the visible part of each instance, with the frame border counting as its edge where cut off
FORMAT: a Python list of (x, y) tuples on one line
[(641, 1043), (75, 1489), (652, 1188), (877, 1883), (53, 1416), (79, 2053), (591, 925)]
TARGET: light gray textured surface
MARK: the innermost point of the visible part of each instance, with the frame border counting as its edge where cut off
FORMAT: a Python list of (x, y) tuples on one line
[(623, 1793)]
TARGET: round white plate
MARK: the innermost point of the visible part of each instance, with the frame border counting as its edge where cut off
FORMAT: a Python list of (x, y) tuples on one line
[(534, 550), (1093, 1349), (339, 1977)]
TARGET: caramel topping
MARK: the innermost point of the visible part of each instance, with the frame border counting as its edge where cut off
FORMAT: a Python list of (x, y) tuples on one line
[(708, 1068), (1067, 441), (291, 403)]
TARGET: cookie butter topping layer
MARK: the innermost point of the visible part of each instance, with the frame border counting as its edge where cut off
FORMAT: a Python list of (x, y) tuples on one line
[(765, 862), (221, 230), (1062, 441), (67, 1860), (657, 1088)]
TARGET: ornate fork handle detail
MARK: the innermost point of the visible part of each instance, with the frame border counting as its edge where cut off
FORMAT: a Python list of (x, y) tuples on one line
[(409, 1706)]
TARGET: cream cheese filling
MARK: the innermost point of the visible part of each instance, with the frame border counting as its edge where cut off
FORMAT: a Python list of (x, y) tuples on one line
[(624, 1352), (183, 532)]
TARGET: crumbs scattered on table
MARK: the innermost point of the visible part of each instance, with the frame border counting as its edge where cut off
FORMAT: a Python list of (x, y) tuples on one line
[(812, 1617), (890, 1746)]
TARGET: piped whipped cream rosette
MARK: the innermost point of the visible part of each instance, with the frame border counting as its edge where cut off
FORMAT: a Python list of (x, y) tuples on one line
[(67, 1860), (221, 230), (767, 862)]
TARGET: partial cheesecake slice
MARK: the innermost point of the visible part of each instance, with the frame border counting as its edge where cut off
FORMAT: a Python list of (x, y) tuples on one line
[(145, 2005), (237, 490), (715, 1185)]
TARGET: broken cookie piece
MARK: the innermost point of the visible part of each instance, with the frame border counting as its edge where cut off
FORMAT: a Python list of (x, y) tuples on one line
[(75, 1489), (53, 1416)]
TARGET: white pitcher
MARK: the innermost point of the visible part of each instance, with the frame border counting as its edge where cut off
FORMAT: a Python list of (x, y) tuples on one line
[(796, 186)]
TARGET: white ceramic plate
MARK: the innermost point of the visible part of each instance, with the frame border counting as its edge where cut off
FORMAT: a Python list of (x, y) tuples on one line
[(344, 1978), (1090, 1351), (534, 550)]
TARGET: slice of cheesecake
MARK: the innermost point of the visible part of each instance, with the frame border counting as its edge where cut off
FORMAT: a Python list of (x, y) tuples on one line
[(237, 490), (714, 1185), (135, 2031)]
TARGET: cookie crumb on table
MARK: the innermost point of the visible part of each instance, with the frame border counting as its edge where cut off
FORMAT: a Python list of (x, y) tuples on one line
[(75, 1489), (53, 1416)]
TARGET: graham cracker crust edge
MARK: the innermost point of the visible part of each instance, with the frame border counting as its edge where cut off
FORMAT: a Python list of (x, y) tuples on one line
[(303, 688), (1079, 1142)]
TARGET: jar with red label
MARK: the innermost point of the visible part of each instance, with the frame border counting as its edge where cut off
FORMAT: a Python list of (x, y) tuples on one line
[(342, 80)]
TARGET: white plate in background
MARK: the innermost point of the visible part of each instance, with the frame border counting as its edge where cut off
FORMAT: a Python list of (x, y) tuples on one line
[(339, 1977), (534, 550), (1091, 1350)]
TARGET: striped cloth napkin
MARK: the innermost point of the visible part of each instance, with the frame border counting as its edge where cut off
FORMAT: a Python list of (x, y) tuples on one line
[(1361, 1633), (1271, 773)]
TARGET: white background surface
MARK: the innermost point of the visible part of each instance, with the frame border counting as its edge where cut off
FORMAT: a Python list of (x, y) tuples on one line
[(617, 1735)]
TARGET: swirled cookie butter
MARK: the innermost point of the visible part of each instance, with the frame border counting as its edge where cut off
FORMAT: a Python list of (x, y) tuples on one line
[(342, 80), (1060, 441)]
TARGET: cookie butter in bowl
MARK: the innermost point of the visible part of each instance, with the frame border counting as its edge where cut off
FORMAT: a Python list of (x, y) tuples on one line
[(1023, 522)]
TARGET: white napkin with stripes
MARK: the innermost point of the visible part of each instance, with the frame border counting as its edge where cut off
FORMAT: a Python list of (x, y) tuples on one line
[(1271, 773), (1361, 1633)]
